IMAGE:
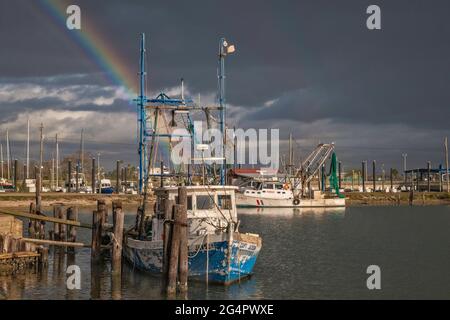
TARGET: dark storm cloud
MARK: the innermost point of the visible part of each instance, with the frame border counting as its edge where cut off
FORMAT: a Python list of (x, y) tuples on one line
[(297, 62)]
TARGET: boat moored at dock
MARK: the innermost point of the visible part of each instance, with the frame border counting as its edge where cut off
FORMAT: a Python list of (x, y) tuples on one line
[(218, 252)]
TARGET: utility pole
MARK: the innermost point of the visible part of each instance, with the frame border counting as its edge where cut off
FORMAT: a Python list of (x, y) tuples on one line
[(41, 156), (429, 175), (374, 178), (82, 150), (446, 162), (98, 173)]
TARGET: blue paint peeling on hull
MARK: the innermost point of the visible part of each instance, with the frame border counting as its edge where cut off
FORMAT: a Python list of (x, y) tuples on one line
[(243, 259)]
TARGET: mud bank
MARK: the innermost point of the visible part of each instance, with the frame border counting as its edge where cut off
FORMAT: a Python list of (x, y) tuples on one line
[(398, 198)]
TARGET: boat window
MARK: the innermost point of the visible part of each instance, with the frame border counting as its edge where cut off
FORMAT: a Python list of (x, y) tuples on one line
[(224, 201), (189, 202), (259, 192), (269, 186), (205, 202), (279, 186)]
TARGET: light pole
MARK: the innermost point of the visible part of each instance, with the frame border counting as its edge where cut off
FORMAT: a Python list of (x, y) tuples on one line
[(98, 173), (224, 49), (404, 155)]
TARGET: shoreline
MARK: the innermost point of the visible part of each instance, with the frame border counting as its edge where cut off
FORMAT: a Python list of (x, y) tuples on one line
[(16, 200)]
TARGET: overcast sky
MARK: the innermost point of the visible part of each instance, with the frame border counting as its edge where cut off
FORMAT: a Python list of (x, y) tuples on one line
[(307, 67)]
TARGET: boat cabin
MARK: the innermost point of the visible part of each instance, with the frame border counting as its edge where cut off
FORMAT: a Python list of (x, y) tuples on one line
[(209, 208)]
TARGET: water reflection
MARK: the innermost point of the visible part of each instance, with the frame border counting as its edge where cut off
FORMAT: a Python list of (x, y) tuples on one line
[(292, 212), (307, 253)]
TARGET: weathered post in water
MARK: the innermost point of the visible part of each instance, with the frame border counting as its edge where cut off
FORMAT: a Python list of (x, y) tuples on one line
[(174, 251), (168, 228), (38, 192), (101, 207), (72, 214), (183, 258), (62, 226), (118, 217), (96, 236)]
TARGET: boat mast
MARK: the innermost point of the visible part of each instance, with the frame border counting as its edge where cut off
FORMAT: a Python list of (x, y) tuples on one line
[(81, 160), (142, 99), (28, 148), (223, 166), (1, 157), (8, 162), (57, 163), (41, 156)]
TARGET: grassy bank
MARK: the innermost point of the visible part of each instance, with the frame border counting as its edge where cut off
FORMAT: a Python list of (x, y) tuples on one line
[(398, 198), (11, 200)]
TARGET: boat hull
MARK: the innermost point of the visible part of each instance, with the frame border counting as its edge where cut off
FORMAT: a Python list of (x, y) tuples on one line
[(213, 263), (244, 201)]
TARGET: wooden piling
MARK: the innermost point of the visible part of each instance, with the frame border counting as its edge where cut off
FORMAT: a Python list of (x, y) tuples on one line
[(97, 222), (174, 251), (61, 214), (43, 256), (55, 233), (6, 247), (72, 214), (183, 255), (168, 227), (32, 223), (118, 217), (101, 207), (38, 192)]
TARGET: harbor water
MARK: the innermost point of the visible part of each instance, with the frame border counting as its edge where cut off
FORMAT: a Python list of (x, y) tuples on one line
[(306, 254)]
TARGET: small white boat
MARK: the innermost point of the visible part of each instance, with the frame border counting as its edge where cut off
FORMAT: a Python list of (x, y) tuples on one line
[(278, 195)]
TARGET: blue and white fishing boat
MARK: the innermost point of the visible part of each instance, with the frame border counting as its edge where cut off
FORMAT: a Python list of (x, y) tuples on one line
[(218, 252)]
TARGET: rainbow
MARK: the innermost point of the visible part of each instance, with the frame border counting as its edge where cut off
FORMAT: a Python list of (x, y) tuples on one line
[(94, 45)]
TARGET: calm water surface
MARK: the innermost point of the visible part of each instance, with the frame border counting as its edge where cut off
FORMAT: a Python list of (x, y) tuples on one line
[(306, 254)]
